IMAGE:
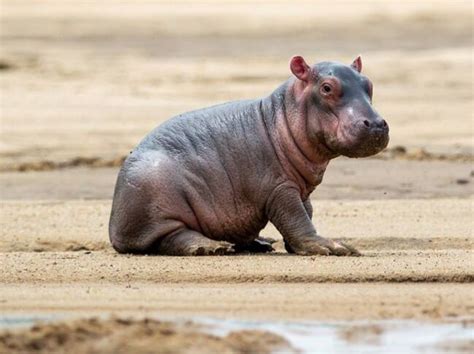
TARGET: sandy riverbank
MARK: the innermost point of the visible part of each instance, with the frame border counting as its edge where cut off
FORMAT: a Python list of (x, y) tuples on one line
[(82, 82)]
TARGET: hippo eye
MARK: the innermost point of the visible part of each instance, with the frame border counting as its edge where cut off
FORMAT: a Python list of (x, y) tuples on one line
[(327, 88)]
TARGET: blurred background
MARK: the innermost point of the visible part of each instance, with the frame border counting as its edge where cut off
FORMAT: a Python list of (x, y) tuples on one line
[(83, 81)]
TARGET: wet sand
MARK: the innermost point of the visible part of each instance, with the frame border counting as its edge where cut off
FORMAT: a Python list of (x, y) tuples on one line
[(345, 179), (113, 336), (261, 300)]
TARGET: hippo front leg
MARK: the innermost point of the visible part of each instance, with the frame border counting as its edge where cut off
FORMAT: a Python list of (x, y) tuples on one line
[(291, 217), (309, 210), (308, 207)]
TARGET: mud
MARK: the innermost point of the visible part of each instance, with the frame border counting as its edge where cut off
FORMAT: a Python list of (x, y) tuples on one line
[(124, 335)]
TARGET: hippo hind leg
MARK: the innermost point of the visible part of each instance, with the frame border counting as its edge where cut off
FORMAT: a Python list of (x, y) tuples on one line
[(191, 243)]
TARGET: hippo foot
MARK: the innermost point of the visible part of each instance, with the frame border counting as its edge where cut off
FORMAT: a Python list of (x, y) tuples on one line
[(321, 246), (258, 245), (192, 243), (217, 248)]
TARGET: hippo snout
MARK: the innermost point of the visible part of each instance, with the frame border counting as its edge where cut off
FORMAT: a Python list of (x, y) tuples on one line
[(364, 137), (376, 125), (376, 128), (371, 138)]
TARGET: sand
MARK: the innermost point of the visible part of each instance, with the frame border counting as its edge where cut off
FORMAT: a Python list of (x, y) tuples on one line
[(345, 179), (82, 82), (419, 265), (88, 80)]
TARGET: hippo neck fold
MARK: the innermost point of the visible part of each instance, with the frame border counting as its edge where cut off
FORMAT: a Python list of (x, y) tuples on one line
[(285, 115)]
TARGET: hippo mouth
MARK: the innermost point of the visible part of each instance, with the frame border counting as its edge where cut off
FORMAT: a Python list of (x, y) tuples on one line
[(355, 144), (366, 146)]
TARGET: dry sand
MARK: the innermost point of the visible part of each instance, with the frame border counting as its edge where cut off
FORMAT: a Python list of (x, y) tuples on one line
[(50, 267), (82, 82)]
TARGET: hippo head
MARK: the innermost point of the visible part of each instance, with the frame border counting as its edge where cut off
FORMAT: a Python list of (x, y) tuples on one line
[(338, 101)]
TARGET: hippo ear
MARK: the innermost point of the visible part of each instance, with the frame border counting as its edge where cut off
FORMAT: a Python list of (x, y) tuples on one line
[(357, 64), (299, 68)]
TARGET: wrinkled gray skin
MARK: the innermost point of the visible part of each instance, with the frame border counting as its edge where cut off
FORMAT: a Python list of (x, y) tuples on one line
[(207, 182)]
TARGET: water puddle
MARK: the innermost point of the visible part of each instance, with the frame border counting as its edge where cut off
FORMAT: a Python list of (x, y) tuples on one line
[(387, 336), (21, 321)]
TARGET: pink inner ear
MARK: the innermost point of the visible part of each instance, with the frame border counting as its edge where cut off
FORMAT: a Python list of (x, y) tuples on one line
[(357, 64), (299, 68)]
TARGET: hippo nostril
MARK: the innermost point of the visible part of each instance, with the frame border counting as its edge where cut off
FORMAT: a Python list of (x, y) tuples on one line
[(384, 123), (366, 123)]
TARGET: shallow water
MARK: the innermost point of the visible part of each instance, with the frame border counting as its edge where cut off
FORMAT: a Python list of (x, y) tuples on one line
[(20, 321), (387, 336)]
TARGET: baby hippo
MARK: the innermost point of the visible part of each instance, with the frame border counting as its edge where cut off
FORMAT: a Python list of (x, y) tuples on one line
[(208, 181)]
